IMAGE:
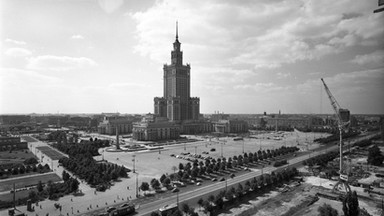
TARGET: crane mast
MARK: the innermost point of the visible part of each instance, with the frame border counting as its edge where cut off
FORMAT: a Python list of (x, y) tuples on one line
[(343, 178)]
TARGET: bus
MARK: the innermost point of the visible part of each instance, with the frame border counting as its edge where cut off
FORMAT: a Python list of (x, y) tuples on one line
[(168, 209)]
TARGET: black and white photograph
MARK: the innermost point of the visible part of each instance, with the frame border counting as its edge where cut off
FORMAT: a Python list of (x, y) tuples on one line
[(192, 108)]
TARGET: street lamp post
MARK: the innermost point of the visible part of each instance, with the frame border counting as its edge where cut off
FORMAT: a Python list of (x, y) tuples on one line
[(243, 146), (177, 199), (221, 149), (137, 185), (133, 160), (226, 185)]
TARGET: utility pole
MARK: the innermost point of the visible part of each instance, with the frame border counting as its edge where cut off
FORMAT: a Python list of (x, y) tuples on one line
[(14, 196)]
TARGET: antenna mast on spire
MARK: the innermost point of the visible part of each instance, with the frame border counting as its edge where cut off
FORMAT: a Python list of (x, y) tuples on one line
[(177, 30)]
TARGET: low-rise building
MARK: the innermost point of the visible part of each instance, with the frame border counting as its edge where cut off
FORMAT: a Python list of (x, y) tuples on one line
[(111, 123), (153, 128), (230, 126)]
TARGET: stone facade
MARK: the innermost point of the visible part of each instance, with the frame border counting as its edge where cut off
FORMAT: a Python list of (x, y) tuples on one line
[(111, 123), (231, 126), (177, 104), (155, 128)]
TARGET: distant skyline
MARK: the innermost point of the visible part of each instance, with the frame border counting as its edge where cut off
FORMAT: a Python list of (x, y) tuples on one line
[(247, 57)]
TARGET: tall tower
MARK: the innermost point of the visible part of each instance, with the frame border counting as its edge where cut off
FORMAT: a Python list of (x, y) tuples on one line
[(176, 104)]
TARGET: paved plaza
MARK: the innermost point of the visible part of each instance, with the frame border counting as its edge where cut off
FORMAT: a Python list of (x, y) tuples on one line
[(152, 164)]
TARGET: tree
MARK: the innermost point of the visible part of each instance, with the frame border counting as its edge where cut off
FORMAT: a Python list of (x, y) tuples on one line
[(30, 161), (200, 202), (185, 208), (155, 183), (144, 186), (181, 166), (166, 182), (240, 190), (327, 210), (65, 176), (74, 184), (162, 178), (40, 187), (219, 201), (229, 195), (375, 157), (211, 198), (33, 196), (351, 204), (174, 168), (154, 213)]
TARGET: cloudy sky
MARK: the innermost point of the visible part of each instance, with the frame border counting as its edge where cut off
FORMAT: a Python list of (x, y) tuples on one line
[(93, 56)]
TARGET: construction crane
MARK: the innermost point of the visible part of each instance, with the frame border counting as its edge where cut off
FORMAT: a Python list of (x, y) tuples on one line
[(342, 117)]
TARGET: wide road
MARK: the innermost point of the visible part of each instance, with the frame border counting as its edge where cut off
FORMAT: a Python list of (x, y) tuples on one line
[(146, 209)]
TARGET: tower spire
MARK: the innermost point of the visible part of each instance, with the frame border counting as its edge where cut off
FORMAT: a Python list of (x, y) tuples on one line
[(177, 31)]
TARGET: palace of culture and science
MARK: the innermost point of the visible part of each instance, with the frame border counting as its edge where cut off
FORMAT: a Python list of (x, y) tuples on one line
[(176, 112)]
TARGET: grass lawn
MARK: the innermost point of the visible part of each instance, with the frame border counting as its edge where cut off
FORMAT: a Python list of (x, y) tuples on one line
[(7, 185), (6, 156), (19, 194)]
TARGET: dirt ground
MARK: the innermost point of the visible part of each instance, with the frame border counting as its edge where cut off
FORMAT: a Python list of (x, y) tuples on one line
[(276, 203)]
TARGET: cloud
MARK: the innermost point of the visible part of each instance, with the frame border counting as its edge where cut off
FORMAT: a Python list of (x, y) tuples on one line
[(261, 34), (261, 87), (59, 63), (15, 42), (110, 6), (17, 52), (19, 77), (376, 58), (77, 37)]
